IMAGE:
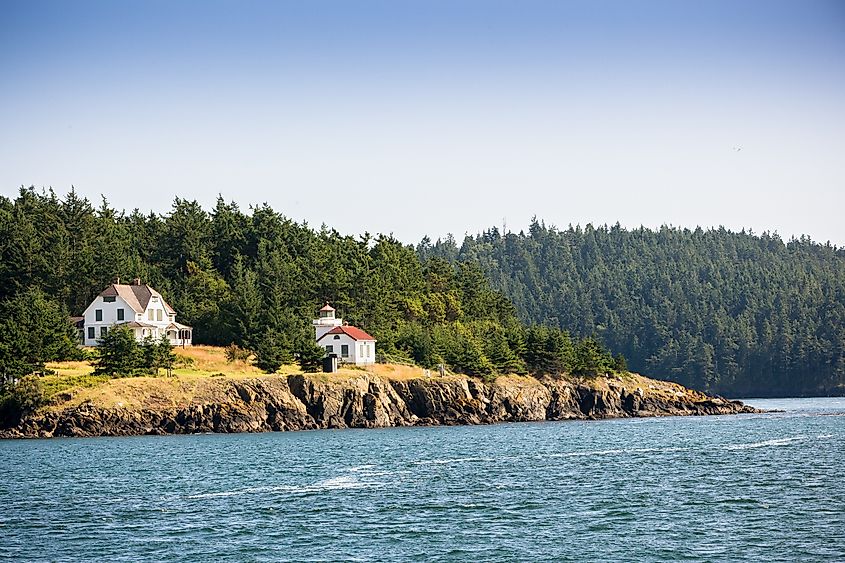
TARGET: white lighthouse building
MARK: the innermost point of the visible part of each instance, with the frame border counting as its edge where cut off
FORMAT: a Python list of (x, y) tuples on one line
[(350, 344)]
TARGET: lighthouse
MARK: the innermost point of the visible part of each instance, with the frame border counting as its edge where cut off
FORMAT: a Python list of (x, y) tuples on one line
[(326, 321), (350, 344)]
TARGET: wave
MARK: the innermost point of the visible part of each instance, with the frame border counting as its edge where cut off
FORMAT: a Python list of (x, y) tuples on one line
[(765, 443), (588, 453), (239, 492), (448, 461), (360, 467), (335, 483)]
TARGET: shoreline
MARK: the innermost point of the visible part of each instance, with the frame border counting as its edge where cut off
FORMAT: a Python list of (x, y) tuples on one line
[(127, 407)]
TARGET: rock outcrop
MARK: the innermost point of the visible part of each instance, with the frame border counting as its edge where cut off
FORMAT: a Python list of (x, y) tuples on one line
[(298, 402)]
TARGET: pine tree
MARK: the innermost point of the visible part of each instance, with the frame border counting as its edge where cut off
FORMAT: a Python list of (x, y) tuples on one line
[(118, 353), (272, 352), (309, 354)]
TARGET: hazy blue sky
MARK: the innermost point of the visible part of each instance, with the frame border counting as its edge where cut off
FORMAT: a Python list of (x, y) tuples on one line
[(426, 117)]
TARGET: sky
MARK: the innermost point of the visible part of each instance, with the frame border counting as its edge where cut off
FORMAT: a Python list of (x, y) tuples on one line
[(427, 117)]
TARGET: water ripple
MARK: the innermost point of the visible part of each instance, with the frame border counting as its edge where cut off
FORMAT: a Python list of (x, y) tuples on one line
[(756, 487)]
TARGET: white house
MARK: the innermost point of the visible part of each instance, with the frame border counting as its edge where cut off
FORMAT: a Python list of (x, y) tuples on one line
[(351, 344), (137, 306)]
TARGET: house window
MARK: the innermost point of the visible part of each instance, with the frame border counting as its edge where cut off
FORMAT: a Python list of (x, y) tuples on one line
[(151, 315), (91, 335), (120, 314), (329, 349), (103, 331), (337, 337), (98, 315), (344, 350), (109, 299), (158, 314)]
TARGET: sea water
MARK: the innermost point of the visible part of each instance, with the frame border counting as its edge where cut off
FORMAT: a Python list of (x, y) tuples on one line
[(767, 487)]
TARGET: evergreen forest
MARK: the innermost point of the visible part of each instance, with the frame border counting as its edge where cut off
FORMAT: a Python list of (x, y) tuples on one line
[(728, 312), (253, 280), (732, 313)]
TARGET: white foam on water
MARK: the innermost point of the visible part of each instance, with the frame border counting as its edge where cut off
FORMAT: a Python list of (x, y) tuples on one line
[(824, 436), (615, 451), (360, 467), (332, 484), (247, 491), (588, 453), (383, 473), (451, 460), (653, 450), (765, 443), (335, 483)]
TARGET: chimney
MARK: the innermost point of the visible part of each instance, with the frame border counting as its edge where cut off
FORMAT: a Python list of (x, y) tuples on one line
[(136, 281), (118, 281)]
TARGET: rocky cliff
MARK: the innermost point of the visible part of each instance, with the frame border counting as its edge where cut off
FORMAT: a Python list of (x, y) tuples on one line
[(300, 402)]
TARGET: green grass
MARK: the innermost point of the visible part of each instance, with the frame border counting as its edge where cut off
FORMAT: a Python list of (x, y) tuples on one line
[(55, 384)]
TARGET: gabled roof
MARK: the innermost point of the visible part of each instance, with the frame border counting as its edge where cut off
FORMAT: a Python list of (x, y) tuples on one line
[(351, 331), (137, 296)]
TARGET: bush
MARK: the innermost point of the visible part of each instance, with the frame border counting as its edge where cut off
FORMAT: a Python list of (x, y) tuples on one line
[(235, 353), (20, 399)]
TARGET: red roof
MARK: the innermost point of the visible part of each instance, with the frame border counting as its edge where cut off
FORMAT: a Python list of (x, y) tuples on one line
[(327, 307), (351, 331)]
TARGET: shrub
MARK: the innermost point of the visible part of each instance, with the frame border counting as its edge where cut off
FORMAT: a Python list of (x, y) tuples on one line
[(20, 399), (235, 353)]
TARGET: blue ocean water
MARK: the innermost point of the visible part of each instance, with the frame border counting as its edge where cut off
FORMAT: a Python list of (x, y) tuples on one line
[(751, 487)]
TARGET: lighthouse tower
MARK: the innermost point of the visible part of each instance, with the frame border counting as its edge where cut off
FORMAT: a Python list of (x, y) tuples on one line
[(326, 322)]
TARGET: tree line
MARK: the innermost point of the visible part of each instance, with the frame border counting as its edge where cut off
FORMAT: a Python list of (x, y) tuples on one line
[(255, 279), (728, 312)]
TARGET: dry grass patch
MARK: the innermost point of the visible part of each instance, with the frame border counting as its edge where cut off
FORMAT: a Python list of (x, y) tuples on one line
[(204, 361), (70, 368), (399, 372), (517, 380)]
